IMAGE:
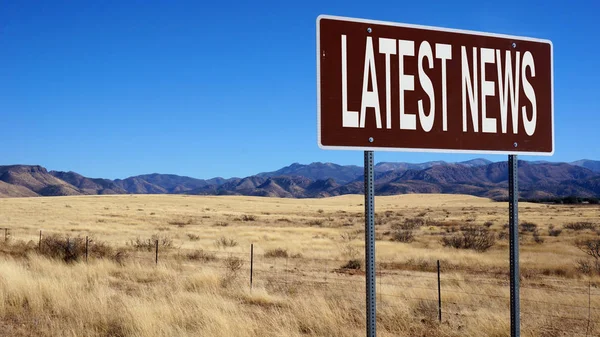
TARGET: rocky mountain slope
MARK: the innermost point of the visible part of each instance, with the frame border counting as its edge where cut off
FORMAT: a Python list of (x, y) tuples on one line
[(475, 177)]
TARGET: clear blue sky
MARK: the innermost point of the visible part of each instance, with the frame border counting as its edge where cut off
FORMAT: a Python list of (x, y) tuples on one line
[(218, 88)]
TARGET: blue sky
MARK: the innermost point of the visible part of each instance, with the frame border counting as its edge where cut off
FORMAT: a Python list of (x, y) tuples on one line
[(218, 88)]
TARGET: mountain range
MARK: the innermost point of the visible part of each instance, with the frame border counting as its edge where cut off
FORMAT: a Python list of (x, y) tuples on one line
[(480, 177)]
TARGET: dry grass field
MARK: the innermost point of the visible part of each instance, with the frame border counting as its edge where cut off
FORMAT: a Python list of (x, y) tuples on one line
[(308, 277)]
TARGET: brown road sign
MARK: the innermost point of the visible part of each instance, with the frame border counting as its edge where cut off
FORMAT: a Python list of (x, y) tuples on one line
[(389, 86)]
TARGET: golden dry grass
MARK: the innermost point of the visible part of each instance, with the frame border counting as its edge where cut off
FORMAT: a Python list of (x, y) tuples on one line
[(306, 293)]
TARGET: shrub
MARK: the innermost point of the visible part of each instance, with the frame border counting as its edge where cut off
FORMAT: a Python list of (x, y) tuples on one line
[(353, 264), (554, 232), (488, 224), (410, 224), (221, 224), (317, 223), (71, 249), (590, 247), (528, 227), (405, 236), (164, 241), (224, 242), (537, 238), (200, 255), (120, 257), (349, 236), (476, 238), (193, 237), (277, 253), (233, 264), (578, 226), (350, 251), (246, 217)]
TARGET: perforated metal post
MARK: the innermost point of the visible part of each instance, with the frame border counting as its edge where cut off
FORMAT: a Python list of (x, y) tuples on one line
[(370, 244), (513, 213), (439, 292)]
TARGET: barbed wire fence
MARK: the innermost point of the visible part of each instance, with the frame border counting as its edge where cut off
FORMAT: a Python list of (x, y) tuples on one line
[(565, 309)]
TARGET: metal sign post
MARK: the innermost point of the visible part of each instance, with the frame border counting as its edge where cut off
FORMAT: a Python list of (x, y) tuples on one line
[(513, 214), (370, 244)]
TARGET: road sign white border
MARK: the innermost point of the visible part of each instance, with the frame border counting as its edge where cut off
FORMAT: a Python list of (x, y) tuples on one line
[(450, 30)]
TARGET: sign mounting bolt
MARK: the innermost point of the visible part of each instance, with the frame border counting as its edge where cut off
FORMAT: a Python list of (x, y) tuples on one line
[(515, 144), (369, 30), (371, 139), (514, 45)]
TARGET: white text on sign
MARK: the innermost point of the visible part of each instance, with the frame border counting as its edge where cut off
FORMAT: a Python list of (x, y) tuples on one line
[(475, 87)]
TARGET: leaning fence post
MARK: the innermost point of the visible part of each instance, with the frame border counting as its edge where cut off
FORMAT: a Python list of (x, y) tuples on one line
[(86, 249), (251, 263), (439, 292), (156, 259), (40, 242), (5, 234)]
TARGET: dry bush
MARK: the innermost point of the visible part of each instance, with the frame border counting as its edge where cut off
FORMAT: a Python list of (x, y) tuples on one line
[(590, 247), (315, 222), (121, 256), (405, 236), (528, 227), (180, 223), (581, 225), (224, 242), (247, 217), (72, 249), (233, 264), (193, 237), (488, 224), (18, 249), (221, 224), (537, 238), (201, 255), (476, 238), (164, 241), (410, 224), (554, 232), (277, 253), (588, 267), (348, 236), (354, 264)]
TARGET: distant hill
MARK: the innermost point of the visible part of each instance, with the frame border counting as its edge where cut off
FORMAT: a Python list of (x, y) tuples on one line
[(477, 177), (36, 180), (160, 183), (319, 171), (89, 185), (384, 166), (593, 165)]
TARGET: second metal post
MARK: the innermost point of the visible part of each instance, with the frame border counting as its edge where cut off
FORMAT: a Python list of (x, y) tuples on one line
[(370, 244), (513, 213)]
